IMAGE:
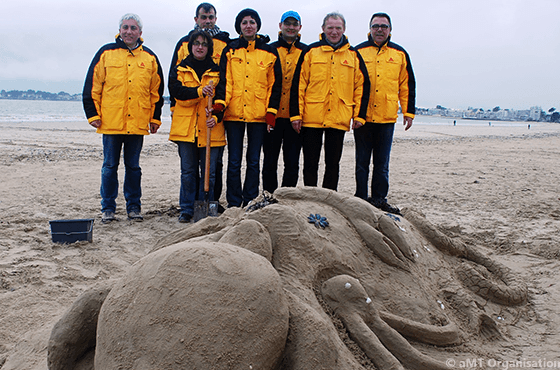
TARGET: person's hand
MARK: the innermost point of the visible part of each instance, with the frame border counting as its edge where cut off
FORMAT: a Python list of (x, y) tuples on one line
[(270, 121), (407, 123), (96, 123), (211, 122), (217, 108), (154, 127), (356, 124), (208, 90), (297, 125)]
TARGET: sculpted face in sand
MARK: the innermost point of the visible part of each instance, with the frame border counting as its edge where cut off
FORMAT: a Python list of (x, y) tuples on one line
[(267, 289)]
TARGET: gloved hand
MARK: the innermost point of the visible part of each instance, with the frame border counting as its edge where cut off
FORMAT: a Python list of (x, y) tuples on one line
[(217, 108), (270, 119)]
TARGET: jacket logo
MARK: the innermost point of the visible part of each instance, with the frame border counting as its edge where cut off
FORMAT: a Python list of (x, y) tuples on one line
[(142, 64), (261, 63), (345, 62), (391, 59)]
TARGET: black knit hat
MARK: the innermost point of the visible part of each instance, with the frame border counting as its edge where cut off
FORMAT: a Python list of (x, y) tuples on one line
[(242, 14)]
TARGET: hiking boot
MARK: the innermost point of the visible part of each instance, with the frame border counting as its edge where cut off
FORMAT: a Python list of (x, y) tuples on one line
[(135, 216), (184, 218), (108, 216), (384, 206)]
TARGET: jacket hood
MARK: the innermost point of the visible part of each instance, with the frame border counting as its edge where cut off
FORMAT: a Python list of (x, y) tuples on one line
[(260, 39), (120, 42), (284, 42), (324, 41), (370, 39), (189, 62)]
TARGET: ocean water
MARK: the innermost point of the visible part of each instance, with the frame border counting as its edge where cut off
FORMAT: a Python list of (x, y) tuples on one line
[(59, 114), (47, 113)]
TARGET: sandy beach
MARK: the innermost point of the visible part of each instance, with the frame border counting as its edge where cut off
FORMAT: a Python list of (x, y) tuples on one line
[(496, 188)]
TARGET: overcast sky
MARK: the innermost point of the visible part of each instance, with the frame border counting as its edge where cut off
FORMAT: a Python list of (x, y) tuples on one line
[(476, 53)]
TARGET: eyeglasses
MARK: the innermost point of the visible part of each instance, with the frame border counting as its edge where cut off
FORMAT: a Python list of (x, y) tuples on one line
[(197, 43), (378, 26)]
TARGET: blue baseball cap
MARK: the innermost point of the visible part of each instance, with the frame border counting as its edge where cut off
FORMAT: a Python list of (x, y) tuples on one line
[(290, 14)]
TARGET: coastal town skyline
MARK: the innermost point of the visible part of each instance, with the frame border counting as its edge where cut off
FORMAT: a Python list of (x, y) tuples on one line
[(534, 113), (476, 53)]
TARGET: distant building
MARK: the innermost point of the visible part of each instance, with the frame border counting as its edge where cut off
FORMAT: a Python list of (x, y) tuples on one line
[(38, 95), (535, 113)]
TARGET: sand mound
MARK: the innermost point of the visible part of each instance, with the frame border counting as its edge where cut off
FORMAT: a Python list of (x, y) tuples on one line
[(370, 290)]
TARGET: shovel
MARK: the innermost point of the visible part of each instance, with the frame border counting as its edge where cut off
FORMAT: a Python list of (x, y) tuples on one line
[(205, 208)]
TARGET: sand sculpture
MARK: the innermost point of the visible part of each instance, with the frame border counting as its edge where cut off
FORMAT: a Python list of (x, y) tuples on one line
[(267, 289)]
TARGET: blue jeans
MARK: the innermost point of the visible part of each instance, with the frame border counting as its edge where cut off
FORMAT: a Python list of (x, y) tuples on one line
[(218, 184), (373, 139), (236, 195), (192, 173), (216, 154), (112, 145), (285, 137), (312, 142)]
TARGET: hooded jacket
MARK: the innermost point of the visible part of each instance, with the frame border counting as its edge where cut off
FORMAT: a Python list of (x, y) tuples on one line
[(189, 117), (330, 86), (124, 89), (250, 80), (392, 81), (289, 55)]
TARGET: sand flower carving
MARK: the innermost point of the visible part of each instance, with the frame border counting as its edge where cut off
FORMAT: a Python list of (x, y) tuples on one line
[(268, 289), (318, 220)]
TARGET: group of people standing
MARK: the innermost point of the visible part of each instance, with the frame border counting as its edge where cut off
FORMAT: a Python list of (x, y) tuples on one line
[(285, 95)]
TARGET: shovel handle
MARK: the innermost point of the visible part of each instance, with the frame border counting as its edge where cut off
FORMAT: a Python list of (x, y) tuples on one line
[(207, 164)]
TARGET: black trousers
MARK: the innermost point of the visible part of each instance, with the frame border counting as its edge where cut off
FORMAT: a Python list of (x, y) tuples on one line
[(312, 142), (286, 138)]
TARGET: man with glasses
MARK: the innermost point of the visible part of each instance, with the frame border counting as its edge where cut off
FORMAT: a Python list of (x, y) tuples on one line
[(205, 20), (392, 81), (289, 48)]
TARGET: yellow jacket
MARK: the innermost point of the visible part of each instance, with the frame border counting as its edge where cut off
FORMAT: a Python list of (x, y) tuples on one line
[(392, 80), (124, 89), (189, 117), (289, 55), (250, 80), (330, 87)]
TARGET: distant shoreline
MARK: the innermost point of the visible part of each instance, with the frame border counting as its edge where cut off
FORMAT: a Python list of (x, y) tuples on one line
[(479, 115)]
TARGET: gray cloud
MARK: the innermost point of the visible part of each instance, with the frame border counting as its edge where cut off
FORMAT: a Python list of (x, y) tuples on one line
[(477, 53)]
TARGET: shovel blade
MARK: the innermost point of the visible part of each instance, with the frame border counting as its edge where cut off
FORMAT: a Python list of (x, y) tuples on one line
[(204, 208)]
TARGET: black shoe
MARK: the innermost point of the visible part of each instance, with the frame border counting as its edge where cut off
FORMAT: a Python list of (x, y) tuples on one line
[(384, 206), (184, 218), (108, 216), (221, 209), (135, 216)]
